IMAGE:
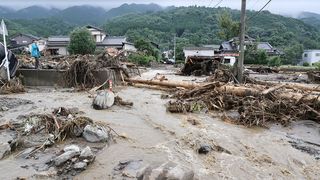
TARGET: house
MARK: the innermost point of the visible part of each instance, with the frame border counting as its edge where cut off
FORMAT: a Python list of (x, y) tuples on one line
[(117, 42), (311, 56), (231, 47), (57, 45), (98, 34), (200, 52), (23, 40)]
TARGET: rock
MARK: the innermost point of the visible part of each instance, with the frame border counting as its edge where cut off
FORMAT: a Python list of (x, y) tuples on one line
[(95, 134), (72, 147), (204, 149), (167, 170), (5, 150), (80, 166), (4, 108), (86, 153), (26, 152), (58, 161)]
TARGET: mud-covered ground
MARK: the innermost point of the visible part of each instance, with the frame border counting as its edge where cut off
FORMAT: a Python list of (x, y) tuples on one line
[(155, 136)]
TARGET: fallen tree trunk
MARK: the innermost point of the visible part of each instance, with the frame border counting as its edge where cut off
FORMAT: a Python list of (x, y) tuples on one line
[(286, 85), (153, 87), (165, 83)]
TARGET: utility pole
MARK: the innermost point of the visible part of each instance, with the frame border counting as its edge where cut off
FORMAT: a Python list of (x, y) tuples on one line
[(174, 48), (242, 39)]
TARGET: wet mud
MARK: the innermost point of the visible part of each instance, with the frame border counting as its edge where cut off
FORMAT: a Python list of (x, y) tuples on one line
[(152, 136)]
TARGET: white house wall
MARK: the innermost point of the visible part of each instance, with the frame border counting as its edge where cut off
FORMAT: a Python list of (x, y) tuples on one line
[(129, 47), (311, 56), (188, 53)]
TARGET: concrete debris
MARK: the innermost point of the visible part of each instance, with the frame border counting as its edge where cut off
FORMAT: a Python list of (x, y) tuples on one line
[(80, 166), (58, 161), (95, 133), (72, 147)]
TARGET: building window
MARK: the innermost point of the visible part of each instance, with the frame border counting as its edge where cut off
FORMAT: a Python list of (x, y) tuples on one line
[(317, 54), (305, 55)]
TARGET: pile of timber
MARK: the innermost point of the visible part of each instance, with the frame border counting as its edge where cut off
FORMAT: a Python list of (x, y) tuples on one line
[(257, 104)]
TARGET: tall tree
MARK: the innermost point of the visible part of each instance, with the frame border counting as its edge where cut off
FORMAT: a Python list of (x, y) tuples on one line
[(228, 27), (81, 42)]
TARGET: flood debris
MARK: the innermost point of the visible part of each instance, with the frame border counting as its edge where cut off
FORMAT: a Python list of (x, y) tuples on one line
[(255, 107), (81, 72), (13, 86)]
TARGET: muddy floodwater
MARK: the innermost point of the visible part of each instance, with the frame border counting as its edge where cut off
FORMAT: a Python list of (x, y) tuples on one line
[(155, 136)]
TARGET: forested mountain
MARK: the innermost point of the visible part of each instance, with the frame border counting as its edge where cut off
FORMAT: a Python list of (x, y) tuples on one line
[(199, 25), (132, 8), (32, 12), (77, 15), (82, 15), (312, 19)]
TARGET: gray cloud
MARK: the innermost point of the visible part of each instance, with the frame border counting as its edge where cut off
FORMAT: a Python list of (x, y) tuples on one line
[(276, 6)]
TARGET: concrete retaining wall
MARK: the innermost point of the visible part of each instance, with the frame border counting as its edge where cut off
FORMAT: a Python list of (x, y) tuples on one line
[(50, 77)]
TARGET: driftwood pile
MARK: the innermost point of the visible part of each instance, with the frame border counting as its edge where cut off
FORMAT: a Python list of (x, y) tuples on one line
[(80, 74), (13, 86), (257, 103)]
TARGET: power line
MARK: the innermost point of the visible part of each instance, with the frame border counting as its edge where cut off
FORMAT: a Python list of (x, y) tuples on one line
[(259, 11), (210, 3), (218, 3)]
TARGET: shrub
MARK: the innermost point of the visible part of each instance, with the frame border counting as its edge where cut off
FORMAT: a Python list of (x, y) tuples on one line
[(306, 64), (81, 42), (141, 59), (275, 61)]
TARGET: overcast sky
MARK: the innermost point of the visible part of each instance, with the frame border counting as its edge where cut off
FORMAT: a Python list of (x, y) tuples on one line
[(276, 6)]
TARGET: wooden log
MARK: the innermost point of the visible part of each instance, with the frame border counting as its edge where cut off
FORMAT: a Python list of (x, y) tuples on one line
[(153, 87), (170, 84), (270, 90), (288, 85)]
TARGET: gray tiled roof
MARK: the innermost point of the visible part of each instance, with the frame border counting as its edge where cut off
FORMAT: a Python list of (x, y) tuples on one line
[(264, 46), (59, 38), (198, 48), (114, 40)]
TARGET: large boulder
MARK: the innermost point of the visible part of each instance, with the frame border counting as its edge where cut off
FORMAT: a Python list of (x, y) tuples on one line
[(94, 133)]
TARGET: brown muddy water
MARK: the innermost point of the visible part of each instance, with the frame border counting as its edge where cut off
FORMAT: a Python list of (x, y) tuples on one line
[(156, 136)]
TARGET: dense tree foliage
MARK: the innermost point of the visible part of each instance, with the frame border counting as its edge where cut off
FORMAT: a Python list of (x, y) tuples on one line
[(81, 42), (195, 26)]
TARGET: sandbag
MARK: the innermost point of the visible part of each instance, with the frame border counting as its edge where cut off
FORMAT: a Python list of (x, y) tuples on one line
[(103, 100)]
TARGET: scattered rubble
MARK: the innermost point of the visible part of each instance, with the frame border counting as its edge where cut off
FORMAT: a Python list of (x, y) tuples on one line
[(36, 134), (136, 169), (10, 103)]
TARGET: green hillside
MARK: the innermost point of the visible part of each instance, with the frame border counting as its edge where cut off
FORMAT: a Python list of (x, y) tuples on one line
[(198, 25)]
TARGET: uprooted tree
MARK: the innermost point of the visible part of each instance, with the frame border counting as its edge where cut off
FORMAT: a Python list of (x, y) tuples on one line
[(81, 42)]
